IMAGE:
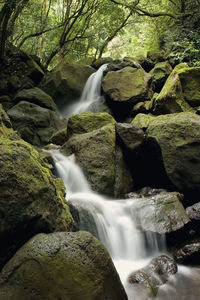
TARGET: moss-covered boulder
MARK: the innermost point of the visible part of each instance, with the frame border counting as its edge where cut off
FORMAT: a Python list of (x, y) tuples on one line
[(35, 123), (32, 200), (171, 98), (159, 75), (68, 266), (190, 82), (178, 138), (87, 122), (36, 96), (126, 85), (95, 153), (66, 82)]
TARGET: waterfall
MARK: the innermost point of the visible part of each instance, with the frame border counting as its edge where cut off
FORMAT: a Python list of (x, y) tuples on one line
[(115, 220), (91, 98), (116, 223)]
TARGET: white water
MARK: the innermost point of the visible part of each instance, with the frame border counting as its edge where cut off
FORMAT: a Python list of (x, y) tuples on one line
[(117, 223), (91, 98), (118, 229), (115, 219)]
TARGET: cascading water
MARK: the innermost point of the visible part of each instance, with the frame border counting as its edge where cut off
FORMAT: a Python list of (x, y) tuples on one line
[(116, 222), (91, 99)]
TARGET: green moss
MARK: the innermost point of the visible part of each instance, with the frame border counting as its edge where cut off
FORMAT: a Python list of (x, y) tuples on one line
[(171, 98), (190, 82), (88, 122), (71, 266), (128, 84)]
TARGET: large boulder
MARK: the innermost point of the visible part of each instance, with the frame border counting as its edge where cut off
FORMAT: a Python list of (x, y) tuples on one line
[(68, 266), (126, 85), (66, 82), (160, 211), (87, 122), (171, 98), (190, 82), (36, 96), (95, 153), (32, 200), (92, 139), (178, 138), (155, 274), (35, 123)]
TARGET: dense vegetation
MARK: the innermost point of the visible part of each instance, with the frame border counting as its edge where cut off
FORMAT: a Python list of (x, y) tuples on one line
[(52, 29)]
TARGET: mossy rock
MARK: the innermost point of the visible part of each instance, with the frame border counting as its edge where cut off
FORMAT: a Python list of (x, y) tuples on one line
[(95, 153), (171, 98), (178, 138), (6, 130), (66, 82), (32, 200), (68, 266), (126, 85), (190, 82), (35, 124), (36, 96), (88, 122)]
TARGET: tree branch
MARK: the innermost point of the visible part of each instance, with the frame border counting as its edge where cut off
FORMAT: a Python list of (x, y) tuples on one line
[(37, 34)]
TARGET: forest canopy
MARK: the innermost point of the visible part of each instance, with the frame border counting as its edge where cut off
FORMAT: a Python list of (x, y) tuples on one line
[(78, 29)]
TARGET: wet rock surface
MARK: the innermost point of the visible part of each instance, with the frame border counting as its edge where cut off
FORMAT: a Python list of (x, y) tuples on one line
[(159, 211), (155, 274), (188, 254), (35, 123), (61, 265)]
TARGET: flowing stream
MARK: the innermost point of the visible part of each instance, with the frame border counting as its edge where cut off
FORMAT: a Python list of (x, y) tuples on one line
[(115, 222), (91, 98)]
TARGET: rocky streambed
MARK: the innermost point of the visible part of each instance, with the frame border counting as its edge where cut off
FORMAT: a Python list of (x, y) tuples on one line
[(144, 142)]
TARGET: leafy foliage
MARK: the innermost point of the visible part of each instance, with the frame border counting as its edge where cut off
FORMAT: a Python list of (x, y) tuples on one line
[(52, 29)]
